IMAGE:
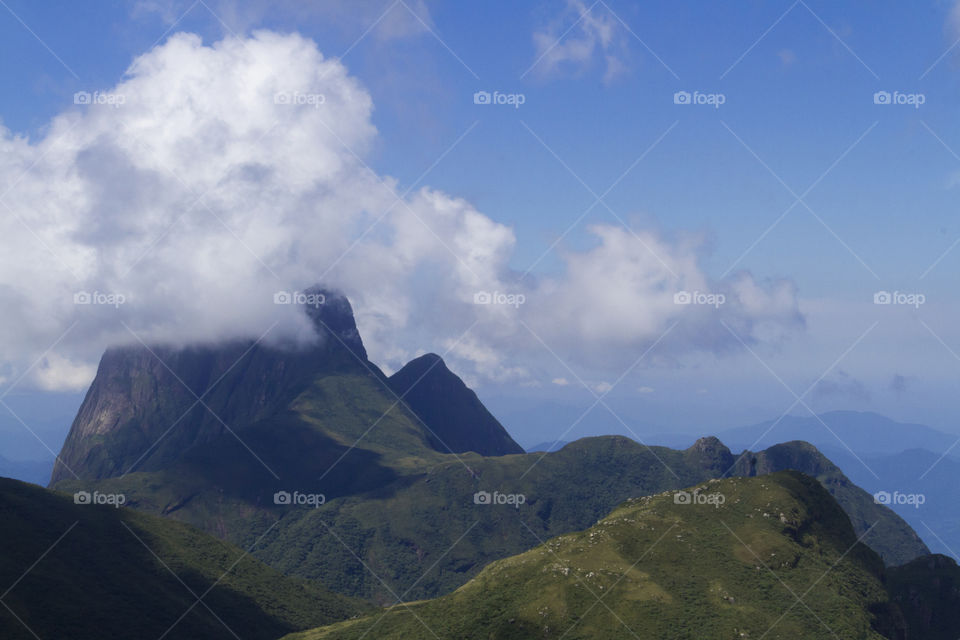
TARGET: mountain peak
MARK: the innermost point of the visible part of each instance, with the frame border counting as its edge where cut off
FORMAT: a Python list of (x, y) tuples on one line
[(427, 363), (708, 444), (453, 413), (711, 454), (140, 394), (332, 316)]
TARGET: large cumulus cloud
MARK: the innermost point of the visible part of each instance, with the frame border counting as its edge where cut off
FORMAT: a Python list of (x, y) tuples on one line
[(212, 176)]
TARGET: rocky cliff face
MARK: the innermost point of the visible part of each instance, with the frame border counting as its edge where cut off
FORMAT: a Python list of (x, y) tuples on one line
[(148, 405)]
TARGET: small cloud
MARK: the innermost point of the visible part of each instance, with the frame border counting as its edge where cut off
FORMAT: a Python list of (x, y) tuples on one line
[(56, 373), (702, 392), (787, 57), (841, 384), (645, 390), (577, 37), (560, 382), (602, 387)]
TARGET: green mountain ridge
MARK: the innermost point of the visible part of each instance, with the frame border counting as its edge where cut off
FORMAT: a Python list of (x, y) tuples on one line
[(655, 568)]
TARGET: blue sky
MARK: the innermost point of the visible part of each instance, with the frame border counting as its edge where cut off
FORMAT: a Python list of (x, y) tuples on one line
[(598, 82)]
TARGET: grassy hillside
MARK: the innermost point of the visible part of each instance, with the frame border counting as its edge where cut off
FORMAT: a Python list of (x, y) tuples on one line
[(885, 532), (668, 571), (99, 572)]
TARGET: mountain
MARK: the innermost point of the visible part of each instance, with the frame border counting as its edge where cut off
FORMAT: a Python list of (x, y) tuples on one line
[(725, 559), (453, 413), (864, 433), (86, 571), (147, 405), (149, 408), (326, 423)]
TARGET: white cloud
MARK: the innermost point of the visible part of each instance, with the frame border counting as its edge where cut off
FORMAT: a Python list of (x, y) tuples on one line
[(56, 373), (560, 382), (223, 177), (601, 387), (645, 390), (577, 38)]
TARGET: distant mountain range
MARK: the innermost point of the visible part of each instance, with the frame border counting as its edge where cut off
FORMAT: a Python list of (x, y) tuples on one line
[(863, 433)]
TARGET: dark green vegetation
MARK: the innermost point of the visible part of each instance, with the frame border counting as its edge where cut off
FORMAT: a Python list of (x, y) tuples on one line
[(98, 572), (927, 592), (661, 570), (396, 472)]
